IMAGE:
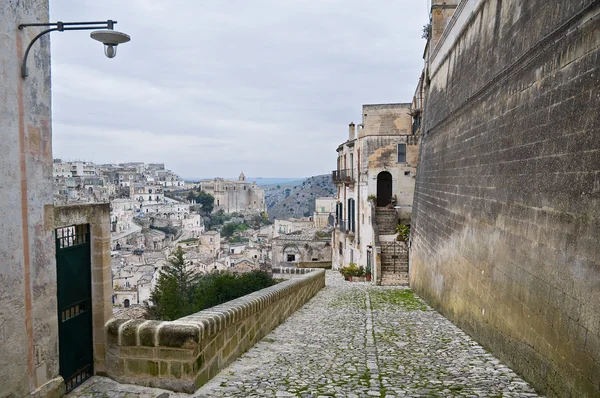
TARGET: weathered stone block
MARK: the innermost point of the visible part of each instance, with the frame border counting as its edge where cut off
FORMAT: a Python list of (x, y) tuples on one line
[(112, 330), (177, 354), (129, 333), (141, 367), (176, 369), (178, 335), (147, 333)]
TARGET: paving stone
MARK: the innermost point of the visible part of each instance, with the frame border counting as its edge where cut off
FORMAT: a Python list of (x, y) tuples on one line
[(355, 340)]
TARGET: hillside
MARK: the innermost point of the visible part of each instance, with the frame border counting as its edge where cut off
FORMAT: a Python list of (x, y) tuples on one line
[(297, 200)]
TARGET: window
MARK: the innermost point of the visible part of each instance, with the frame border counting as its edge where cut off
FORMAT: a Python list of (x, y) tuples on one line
[(291, 257), (407, 173), (401, 153)]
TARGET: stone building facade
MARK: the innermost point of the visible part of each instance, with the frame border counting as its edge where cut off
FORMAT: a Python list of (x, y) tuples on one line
[(376, 168), (302, 247), (506, 222), (144, 194), (28, 318), (235, 196), (324, 215)]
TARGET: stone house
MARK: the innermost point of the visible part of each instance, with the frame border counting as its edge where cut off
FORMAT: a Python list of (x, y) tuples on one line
[(289, 225), (121, 215), (324, 215), (210, 242), (145, 194), (376, 169), (301, 247), (61, 169)]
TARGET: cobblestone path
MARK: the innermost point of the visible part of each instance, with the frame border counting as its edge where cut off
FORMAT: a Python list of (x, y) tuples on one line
[(356, 340)]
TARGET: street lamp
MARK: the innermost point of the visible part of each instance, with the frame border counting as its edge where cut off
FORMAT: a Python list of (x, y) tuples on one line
[(109, 37)]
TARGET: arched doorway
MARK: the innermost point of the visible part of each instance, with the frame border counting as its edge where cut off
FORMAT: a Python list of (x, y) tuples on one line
[(126, 303), (384, 189)]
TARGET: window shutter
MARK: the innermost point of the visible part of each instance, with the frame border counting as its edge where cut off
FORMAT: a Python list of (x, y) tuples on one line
[(353, 213)]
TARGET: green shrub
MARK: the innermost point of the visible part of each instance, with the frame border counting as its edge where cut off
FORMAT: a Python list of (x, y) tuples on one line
[(179, 293), (403, 231), (219, 287)]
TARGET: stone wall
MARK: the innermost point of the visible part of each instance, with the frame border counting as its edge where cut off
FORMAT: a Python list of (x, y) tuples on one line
[(506, 222), (183, 355), (28, 315)]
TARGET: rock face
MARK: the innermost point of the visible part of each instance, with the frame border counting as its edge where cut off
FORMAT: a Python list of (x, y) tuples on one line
[(297, 199)]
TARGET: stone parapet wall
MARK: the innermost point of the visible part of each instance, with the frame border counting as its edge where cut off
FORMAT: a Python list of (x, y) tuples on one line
[(314, 264), (183, 355)]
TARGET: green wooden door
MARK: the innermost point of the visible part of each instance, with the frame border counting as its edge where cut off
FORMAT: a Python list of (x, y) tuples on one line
[(74, 278)]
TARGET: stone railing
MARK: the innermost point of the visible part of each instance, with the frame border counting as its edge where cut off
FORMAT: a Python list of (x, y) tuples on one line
[(183, 355)]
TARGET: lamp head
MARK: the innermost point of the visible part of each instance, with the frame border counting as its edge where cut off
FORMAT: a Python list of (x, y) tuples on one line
[(111, 39)]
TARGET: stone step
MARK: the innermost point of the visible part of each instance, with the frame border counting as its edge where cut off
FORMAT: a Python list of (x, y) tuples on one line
[(394, 282), (391, 270)]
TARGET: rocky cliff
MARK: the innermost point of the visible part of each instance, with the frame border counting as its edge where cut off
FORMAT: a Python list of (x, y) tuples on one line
[(297, 199)]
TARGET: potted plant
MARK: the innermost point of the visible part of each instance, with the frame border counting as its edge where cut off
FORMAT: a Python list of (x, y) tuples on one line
[(349, 271), (368, 273)]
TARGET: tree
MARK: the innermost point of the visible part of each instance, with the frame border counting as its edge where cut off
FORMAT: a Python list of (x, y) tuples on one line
[(191, 196), (172, 297), (207, 201), (229, 229)]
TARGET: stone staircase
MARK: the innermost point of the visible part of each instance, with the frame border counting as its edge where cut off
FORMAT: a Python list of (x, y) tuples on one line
[(386, 221), (394, 264), (394, 254)]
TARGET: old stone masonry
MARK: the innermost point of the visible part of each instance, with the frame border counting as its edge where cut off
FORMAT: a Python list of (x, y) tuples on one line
[(355, 340)]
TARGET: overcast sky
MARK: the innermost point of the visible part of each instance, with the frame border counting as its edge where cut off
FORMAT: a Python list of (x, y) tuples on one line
[(212, 88)]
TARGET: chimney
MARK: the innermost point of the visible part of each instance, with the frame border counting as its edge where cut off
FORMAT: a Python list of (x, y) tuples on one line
[(351, 131)]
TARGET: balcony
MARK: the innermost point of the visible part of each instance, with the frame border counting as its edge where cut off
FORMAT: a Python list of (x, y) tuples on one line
[(343, 176)]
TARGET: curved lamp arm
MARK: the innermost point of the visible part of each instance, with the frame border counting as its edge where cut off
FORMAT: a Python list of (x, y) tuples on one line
[(61, 27)]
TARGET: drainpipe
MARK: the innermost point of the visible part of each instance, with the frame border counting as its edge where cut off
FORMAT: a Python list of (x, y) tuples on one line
[(358, 197)]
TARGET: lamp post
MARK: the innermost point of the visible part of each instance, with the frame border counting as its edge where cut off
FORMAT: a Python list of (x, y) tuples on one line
[(109, 37)]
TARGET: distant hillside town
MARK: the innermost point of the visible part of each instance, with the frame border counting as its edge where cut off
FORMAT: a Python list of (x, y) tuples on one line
[(220, 224)]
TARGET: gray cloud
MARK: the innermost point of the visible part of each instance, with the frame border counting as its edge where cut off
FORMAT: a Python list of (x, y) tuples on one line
[(215, 87)]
